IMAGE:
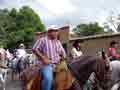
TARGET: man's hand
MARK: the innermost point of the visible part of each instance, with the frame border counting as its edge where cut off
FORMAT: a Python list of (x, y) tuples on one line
[(46, 60)]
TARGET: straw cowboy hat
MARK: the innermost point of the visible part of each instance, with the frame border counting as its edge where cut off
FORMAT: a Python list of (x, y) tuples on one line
[(53, 28)]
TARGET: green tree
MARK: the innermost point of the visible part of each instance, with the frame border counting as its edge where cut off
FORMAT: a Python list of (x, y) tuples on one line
[(4, 22), (88, 29), (19, 26)]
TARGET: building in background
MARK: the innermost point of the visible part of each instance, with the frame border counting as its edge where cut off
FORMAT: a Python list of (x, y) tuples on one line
[(92, 44)]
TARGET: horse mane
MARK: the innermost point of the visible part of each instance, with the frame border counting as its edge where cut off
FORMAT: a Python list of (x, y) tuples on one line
[(83, 67)]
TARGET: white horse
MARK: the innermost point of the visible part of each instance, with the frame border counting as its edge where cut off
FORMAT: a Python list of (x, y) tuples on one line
[(30, 59), (17, 65), (115, 75), (3, 77), (3, 68)]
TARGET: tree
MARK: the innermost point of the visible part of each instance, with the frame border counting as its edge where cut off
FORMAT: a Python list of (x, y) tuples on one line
[(19, 26), (4, 22), (88, 29), (112, 22), (118, 23)]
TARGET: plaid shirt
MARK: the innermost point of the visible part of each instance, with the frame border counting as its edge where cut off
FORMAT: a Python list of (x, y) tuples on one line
[(52, 48)]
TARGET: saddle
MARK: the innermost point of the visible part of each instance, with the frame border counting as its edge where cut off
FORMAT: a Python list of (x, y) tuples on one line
[(32, 78), (64, 78)]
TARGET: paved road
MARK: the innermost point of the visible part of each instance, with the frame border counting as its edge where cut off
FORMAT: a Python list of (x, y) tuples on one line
[(12, 84)]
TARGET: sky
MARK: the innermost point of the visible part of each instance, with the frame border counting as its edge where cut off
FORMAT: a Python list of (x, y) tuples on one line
[(68, 12)]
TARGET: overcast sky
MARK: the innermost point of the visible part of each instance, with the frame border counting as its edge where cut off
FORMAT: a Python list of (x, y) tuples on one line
[(70, 12)]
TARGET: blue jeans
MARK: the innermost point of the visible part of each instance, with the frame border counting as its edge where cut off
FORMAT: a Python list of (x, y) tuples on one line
[(47, 73)]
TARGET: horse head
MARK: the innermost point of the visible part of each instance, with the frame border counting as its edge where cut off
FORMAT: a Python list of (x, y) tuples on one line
[(103, 70)]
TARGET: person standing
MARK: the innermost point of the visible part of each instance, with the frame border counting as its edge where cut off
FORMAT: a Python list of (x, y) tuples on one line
[(76, 50), (48, 50), (113, 51), (21, 52)]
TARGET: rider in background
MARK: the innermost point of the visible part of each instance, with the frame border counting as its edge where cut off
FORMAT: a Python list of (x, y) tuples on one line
[(21, 52), (76, 50), (113, 51), (20, 56)]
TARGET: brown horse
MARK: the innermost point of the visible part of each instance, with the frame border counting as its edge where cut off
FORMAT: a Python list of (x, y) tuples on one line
[(74, 78), (83, 68)]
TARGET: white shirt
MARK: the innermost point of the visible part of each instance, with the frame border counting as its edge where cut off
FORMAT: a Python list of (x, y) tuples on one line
[(21, 53), (75, 53)]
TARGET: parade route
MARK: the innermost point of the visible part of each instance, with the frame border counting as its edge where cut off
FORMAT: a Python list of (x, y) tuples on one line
[(12, 84)]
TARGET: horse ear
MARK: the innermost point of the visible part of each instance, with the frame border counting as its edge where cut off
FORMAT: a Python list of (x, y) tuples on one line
[(103, 55)]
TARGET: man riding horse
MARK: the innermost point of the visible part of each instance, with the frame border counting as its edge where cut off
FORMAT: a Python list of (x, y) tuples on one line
[(21, 52), (48, 51)]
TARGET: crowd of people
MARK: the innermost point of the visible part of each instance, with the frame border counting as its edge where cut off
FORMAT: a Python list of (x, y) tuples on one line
[(16, 61)]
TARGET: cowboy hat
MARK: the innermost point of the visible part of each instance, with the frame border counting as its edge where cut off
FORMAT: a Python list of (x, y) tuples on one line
[(53, 28)]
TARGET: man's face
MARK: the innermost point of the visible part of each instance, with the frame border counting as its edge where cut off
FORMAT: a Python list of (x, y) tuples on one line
[(53, 34)]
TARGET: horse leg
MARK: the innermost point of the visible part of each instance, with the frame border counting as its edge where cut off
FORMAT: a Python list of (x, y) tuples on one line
[(13, 75), (2, 81), (4, 85)]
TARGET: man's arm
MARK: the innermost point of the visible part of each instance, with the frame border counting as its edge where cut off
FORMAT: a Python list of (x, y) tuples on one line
[(37, 50)]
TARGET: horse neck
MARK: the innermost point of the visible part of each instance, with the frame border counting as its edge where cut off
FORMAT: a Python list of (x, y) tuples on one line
[(84, 68), (87, 71), (100, 69)]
